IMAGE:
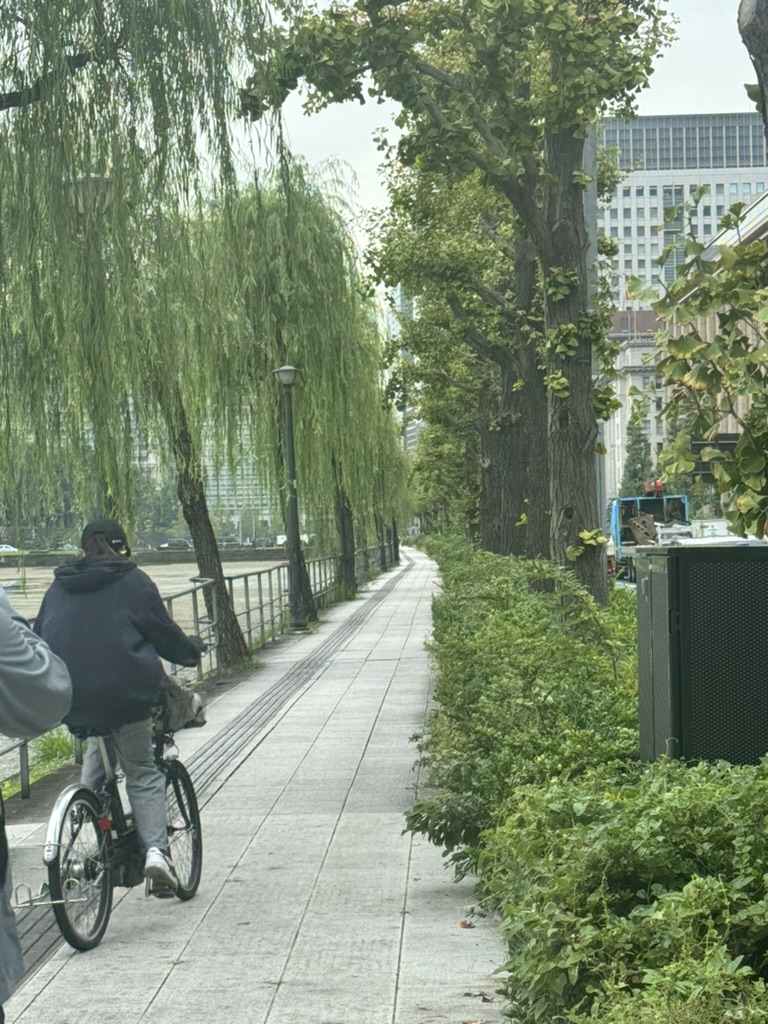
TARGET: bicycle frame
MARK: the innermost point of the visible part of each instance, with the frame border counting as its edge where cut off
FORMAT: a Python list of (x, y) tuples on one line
[(92, 846), (114, 812)]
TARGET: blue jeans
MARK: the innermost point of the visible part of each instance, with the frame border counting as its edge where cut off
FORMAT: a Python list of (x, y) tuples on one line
[(131, 746)]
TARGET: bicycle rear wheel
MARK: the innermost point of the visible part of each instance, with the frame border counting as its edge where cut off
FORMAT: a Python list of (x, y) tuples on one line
[(185, 836), (79, 870)]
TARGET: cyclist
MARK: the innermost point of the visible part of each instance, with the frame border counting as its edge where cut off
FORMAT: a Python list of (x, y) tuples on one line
[(105, 618), (34, 696)]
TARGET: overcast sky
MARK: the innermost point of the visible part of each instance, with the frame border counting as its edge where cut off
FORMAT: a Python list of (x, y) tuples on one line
[(703, 72)]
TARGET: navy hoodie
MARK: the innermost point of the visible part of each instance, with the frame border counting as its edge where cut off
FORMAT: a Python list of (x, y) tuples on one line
[(105, 619)]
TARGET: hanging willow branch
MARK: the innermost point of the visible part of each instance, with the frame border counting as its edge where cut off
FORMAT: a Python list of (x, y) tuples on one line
[(127, 257), (107, 110)]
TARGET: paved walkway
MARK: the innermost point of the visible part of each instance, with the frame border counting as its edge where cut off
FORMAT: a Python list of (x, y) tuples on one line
[(314, 908)]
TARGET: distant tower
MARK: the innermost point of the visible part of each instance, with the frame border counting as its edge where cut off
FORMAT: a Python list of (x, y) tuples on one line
[(404, 306)]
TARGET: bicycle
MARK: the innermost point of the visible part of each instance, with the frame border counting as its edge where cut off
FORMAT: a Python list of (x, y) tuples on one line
[(92, 846)]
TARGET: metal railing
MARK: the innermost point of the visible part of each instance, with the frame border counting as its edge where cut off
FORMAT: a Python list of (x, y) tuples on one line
[(260, 599)]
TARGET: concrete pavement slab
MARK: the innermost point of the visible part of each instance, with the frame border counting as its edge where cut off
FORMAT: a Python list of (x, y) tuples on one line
[(314, 907)]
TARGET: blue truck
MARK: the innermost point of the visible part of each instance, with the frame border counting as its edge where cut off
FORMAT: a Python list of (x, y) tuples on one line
[(650, 519)]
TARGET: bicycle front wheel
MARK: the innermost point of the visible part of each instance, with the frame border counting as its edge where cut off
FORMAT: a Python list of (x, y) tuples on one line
[(185, 836), (79, 870)]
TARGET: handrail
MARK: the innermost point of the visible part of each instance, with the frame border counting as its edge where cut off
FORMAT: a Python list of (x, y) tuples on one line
[(262, 621)]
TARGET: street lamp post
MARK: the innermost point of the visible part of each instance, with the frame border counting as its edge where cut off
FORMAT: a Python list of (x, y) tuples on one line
[(92, 197), (286, 375)]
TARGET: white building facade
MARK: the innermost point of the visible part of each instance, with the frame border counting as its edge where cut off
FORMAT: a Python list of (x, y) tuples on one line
[(665, 159), (635, 331)]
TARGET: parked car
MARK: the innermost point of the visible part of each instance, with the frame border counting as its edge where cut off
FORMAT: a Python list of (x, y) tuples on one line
[(176, 544), (8, 549), (228, 541)]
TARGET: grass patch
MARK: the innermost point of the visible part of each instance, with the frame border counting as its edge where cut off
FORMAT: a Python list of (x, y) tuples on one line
[(46, 753)]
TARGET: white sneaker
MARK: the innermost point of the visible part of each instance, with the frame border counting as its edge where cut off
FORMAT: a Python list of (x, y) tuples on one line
[(159, 869)]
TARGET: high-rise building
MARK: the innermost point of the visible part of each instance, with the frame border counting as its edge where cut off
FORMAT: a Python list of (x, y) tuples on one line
[(403, 308), (664, 160)]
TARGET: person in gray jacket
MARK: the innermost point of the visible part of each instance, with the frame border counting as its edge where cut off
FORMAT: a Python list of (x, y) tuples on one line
[(35, 694)]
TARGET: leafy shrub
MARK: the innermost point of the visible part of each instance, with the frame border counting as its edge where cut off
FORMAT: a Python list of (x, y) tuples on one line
[(608, 881), (628, 893), (534, 679)]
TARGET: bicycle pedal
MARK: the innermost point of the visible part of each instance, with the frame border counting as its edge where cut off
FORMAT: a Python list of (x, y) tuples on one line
[(158, 890)]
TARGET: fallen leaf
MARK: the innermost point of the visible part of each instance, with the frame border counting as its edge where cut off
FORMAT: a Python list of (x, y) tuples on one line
[(466, 924)]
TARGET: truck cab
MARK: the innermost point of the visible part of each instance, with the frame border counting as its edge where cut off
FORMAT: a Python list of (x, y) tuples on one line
[(644, 520)]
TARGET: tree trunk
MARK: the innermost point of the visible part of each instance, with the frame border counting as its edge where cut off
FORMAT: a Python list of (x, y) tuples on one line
[(572, 423), (232, 646), (307, 597), (382, 542), (346, 531), (533, 407), (395, 543), (535, 418), (503, 471), (361, 543), (753, 28)]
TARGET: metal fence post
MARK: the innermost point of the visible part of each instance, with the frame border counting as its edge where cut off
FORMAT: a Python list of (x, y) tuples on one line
[(24, 769)]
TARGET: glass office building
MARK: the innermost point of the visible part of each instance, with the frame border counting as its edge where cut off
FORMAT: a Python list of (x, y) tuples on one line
[(665, 159)]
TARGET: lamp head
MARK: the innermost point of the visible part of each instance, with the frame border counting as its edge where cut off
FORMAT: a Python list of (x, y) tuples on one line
[(286, 375)]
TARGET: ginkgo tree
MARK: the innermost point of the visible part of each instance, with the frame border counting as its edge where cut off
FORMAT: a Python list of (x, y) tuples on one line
[(509, 89), (712, 357), (478, 333)]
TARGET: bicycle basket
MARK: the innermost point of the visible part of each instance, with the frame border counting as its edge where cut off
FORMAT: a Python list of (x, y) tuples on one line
[(182, 707)]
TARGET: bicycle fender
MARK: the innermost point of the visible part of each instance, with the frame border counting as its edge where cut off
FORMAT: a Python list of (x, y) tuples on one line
[(51, 848)]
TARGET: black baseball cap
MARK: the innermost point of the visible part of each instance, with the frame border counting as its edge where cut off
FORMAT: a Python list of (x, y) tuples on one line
[(112, 532)]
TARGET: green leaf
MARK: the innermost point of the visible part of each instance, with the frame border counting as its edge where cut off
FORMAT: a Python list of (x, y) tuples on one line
[(711, 454), (728, 256), (751, 460), (685, 345)]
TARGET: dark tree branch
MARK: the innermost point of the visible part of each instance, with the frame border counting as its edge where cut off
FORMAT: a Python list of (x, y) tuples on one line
[(457, 83), (37, 91), (507, 184), (475, 338), (491, 297)]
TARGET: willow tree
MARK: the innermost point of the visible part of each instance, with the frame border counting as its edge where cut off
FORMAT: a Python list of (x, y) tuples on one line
[(117, 318), (105, 111), (301, 300), (510, 88)]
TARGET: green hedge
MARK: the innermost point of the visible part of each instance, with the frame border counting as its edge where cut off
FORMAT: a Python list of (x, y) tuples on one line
[(628, 893)]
